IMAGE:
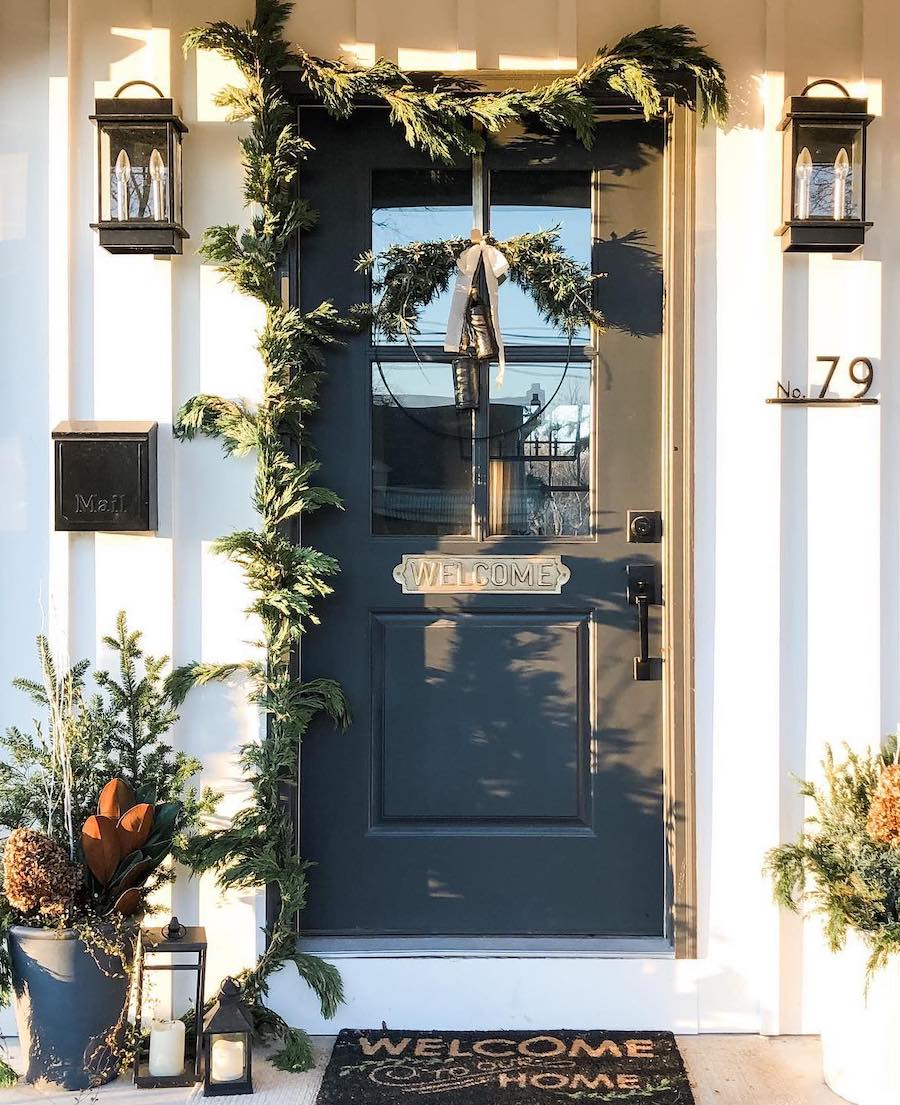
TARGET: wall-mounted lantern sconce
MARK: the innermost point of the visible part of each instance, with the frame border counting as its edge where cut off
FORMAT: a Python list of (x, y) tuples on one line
[(139, 173), (824, 172)]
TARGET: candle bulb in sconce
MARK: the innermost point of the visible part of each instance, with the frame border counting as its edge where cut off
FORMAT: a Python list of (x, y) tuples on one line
[(841, 175), (803, 174), (157, 203), (123, 176), (166, 1048)]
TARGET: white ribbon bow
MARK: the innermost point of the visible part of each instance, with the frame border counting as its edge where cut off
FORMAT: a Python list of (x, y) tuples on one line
[(495, 269)]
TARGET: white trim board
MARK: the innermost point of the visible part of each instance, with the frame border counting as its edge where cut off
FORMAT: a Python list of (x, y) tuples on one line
[(478, 993)]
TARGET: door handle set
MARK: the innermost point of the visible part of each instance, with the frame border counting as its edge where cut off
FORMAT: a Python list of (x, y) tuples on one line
[(644, 591)]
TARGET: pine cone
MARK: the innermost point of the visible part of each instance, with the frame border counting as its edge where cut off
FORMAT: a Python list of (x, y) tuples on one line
[(884, 813), (38, 876)]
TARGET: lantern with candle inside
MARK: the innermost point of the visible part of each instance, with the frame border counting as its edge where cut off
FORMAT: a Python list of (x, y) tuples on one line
[(227, 1034), (824, 170), (139, 173), (171, 1056)]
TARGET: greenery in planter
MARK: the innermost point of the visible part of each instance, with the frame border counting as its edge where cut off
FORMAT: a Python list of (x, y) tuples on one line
[(446, 119), (846, 863), (93, 800)]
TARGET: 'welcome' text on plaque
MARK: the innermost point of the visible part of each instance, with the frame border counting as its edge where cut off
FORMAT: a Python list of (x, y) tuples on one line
[(522, 575)]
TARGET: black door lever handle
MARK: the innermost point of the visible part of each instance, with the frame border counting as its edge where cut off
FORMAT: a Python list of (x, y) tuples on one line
[(644, 591)]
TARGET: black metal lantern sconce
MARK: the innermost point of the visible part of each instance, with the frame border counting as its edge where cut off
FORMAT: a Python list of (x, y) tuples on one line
[(169, 1062), (227, 1044), (139, 173), (824, 171)]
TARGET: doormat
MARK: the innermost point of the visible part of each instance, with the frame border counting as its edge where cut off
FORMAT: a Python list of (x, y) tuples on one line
[(379, 1067)]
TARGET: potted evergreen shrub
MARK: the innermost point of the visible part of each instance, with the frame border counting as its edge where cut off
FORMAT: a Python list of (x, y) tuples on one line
[(93, 802), (846, 867)]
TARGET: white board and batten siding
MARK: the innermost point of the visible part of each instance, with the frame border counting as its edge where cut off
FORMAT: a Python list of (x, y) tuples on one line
[(797, 514)]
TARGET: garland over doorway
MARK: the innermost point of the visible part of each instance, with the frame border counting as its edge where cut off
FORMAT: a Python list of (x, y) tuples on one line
[(286, 578)]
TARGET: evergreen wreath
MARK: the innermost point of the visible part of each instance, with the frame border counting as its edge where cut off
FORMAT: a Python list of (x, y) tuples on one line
[(406, 278), (285, 577)]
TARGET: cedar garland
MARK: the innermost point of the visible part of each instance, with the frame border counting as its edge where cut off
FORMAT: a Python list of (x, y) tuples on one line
[(285, 577)]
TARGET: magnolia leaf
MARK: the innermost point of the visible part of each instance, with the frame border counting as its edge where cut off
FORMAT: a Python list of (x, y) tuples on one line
[(134, 827), (115, 798), (101, 847), (165, 820), (127, 903), (132, 871)]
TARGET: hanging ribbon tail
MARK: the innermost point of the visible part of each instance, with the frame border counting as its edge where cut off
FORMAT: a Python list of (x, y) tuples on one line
[(496, 268), (467, 265)]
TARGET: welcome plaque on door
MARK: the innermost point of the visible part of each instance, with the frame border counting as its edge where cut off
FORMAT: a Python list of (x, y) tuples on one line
[(492, 575)]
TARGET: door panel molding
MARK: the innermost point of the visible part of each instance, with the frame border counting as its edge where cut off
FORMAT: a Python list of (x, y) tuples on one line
[(565, 742)]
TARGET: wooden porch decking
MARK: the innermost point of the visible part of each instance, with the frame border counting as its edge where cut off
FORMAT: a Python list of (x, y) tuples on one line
[(724, 1070)]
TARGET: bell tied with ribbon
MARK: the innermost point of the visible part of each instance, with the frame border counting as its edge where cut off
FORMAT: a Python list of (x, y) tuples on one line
[(466, 388), (473, 328)]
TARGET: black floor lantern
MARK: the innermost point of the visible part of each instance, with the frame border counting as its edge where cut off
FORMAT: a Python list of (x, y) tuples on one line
[(824, 171), (169, 1061), (139, 173), (227, 1039)]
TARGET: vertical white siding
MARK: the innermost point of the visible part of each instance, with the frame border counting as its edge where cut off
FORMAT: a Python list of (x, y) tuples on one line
[(798, 522)]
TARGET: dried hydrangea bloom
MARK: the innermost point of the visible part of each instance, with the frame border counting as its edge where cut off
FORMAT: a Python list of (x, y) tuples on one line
[(884, 813), (38, 876)]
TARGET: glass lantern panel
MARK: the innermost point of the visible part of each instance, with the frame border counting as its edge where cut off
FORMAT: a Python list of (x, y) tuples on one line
[(787, 160), (227, 1056), (136, 162), (178, 216), (828, 178)]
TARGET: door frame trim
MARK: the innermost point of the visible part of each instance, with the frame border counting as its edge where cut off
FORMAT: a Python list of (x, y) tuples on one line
[(678, 536), (678, 589)]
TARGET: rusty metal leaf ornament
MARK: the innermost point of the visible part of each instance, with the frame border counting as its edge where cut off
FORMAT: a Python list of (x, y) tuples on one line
[(134, 828), (115, 798), (100, 843)]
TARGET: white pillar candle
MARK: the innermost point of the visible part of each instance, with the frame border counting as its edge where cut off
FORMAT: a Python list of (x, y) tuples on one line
[(166, 1048), (227, 1059)]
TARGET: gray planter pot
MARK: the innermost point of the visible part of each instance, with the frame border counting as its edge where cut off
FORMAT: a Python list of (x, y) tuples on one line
[(71, 1007)]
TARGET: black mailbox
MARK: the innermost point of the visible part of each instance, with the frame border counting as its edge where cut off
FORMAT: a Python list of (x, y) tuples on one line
[(105, 476)]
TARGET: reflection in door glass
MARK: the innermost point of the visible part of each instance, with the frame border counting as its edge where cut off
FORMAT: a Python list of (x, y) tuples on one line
[(421, 452), (540, 199), (539, 479), (421, 205)]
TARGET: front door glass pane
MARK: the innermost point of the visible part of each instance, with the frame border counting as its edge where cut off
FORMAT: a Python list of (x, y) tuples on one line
[(421, 452), (421, 205), (539, 199), (539, 477)]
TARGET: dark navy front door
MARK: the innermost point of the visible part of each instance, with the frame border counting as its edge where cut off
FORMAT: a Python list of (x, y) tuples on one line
[(503, 773)]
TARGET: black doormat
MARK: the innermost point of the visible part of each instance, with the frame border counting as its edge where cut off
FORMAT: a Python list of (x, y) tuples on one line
[(546, 1067)]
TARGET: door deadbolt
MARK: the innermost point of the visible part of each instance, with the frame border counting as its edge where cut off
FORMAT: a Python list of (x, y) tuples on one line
[(644, 527)]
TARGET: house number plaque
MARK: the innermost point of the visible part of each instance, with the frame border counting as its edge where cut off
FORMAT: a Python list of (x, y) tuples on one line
[(489, 575)]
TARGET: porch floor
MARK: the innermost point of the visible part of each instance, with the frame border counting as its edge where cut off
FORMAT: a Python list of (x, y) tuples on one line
[(724, 1070)]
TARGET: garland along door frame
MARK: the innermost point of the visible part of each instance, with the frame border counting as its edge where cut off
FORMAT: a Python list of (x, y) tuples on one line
[(421, 843)]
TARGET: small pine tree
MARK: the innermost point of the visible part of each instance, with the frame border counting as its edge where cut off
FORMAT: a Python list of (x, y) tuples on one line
[(50, 778), (141, 713)]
